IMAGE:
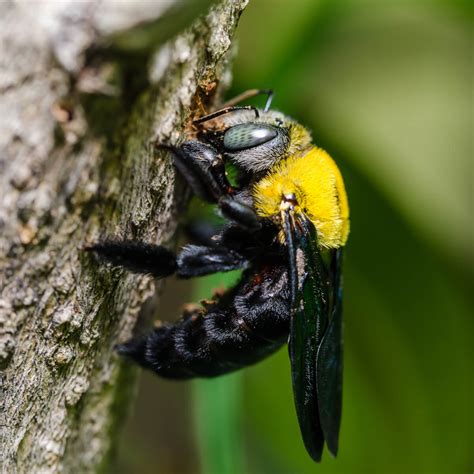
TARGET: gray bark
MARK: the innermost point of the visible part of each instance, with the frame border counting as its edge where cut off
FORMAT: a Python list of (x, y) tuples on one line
[(77, 163)]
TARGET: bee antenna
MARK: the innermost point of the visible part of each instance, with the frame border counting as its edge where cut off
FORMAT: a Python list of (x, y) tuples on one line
[(226, 110), (249, 94), (269, 94)]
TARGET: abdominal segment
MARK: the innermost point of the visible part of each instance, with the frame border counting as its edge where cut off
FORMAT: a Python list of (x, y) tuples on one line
[(247, 324)]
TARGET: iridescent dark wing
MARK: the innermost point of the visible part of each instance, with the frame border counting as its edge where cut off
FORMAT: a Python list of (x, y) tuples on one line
[(315, 344), (329, 362)]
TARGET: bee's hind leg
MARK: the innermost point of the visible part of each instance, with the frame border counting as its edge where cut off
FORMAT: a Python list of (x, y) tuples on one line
[(192, 261), (137, 257)]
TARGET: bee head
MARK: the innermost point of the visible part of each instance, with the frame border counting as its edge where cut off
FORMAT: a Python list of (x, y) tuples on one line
[(256, 143)]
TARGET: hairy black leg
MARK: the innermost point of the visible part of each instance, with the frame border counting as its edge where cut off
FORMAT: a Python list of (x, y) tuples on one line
[(192, 261), (239, 212), (231, 248), (197, 260), (204, 170), (231, 244), (138, 257), (244, 326)]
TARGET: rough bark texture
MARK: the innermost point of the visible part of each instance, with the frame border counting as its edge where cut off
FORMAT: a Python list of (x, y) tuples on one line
[(83, 98)]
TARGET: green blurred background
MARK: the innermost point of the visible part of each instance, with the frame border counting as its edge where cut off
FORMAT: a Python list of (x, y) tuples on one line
[(386, 89)]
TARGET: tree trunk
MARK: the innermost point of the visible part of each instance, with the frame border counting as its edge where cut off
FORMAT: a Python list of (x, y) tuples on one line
[(85, 94)]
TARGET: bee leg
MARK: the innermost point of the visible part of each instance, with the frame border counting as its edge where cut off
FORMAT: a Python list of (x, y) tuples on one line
[(203, 168), (197, 260), (193, 260), (239, 212), (137, 257)]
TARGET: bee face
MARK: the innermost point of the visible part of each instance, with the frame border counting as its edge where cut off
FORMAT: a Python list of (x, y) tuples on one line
[(256, 144), (255, 147)]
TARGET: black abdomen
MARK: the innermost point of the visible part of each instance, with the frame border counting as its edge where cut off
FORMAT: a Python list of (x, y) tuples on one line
[(248, 323)]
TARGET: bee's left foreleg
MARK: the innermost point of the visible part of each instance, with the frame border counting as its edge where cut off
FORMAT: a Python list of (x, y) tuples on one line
[(204, 170)]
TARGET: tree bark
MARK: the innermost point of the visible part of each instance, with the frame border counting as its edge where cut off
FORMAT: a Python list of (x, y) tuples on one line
[(84, 96)]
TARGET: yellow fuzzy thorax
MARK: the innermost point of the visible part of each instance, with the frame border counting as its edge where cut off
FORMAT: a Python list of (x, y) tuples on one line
[(317, 183)]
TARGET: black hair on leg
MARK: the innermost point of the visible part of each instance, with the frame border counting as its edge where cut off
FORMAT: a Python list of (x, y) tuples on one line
[(203, 169), (239, 212), (197, 260), (137, 257)]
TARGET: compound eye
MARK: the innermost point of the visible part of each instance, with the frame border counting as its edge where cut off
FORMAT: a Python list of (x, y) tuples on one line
[(247, 135)]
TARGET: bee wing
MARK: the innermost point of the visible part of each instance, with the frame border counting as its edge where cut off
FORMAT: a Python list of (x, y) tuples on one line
[(329, 362), (314, 345)]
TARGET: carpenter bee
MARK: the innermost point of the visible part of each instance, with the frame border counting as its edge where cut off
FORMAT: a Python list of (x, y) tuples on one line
[(287, 220)]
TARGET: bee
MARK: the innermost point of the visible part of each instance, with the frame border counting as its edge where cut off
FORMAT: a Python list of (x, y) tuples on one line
[(287, 221)]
